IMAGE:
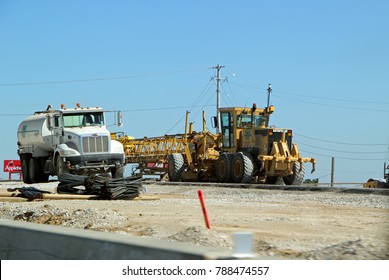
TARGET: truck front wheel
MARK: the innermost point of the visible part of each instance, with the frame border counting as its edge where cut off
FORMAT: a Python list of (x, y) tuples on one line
[(61, 167)]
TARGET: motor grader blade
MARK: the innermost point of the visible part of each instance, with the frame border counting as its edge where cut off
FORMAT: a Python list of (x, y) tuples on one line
[(280, 162)]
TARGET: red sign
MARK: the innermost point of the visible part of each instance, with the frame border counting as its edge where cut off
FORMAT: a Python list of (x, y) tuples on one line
[(12, 166)]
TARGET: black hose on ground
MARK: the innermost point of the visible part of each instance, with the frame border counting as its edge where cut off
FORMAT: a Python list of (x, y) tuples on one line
[(30, 193)]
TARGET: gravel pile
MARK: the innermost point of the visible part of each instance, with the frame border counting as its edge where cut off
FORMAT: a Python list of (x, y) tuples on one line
[(349, 250), (46, 214)]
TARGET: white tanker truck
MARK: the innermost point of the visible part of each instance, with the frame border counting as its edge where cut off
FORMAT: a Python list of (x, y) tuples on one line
[(76, 140)]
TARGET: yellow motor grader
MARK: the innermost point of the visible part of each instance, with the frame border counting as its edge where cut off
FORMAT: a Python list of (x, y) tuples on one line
[(246, 150)]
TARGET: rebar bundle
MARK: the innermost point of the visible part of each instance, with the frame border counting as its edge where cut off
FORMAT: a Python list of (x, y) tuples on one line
[(104, 187)]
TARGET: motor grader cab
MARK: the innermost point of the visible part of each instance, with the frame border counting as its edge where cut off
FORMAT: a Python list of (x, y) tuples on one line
[(252, 149)]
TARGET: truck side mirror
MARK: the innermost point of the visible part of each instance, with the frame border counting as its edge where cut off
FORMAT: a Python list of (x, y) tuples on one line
[(50, 122), (214, 121), (120, 118)]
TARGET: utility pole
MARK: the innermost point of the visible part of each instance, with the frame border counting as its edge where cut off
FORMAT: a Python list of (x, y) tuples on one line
[(332, 172), (218, 81)]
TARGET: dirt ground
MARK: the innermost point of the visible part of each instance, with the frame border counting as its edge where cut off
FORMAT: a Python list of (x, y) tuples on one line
[(287, 224)]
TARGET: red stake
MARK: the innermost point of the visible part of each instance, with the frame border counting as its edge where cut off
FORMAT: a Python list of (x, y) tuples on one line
[(201, 197)]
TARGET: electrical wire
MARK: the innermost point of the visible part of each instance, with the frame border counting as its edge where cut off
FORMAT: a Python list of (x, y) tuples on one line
[(259, 89), (346, 158), (330, 105), (334, 99), (160, 109), (194, 105), (283, 96), (100, 78), (226, 97), (232, 94), (340, 151), (343, 143)]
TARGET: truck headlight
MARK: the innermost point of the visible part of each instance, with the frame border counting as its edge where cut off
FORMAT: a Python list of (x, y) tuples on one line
[(117, 150), (67, 153)]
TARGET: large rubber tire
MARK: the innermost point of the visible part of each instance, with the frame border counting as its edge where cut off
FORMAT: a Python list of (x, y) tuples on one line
[(224, 167), (175, 167), (34, 170), (61, 168), (242, 168), (25, 171), (297, 178)]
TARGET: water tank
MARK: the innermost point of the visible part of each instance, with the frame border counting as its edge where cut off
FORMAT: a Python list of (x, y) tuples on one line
[(33, 131)]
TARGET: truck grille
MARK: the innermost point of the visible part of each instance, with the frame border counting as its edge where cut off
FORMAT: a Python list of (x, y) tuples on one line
[(98, 144)]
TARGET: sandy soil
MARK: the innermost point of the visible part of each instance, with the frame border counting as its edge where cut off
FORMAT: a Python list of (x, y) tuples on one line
[(289, 224)]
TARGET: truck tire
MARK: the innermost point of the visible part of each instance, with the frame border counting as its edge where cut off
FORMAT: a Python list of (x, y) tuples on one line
[(224, 167), (297, 178), (61, 168), (242, 168), (175, 167), (43, 177), (34, 170), (25, 172)]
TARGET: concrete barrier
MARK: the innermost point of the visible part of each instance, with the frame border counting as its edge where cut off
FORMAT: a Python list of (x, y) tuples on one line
[(29, 241)]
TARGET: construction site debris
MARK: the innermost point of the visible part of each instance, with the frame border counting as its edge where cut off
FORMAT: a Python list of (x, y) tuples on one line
[(30, 193)]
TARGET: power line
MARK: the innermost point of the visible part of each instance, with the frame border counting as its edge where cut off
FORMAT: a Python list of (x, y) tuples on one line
[(226, 98), (340, 151), (347, 158), (331, 105), (231, 92), (202, 94), (343, 143), (100, 78), (197, 100), (163, 108), (334, 99), (259, 89)]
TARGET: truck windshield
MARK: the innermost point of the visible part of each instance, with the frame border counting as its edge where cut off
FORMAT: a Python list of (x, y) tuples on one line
[(83, 119)]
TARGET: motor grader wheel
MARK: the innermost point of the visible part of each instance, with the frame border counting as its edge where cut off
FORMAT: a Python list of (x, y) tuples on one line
[(175, 166), (297, 178), (224, 167), (242, 168)]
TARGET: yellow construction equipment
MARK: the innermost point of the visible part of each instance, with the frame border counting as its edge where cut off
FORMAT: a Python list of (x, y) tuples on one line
[(378, 182), (246, 150)]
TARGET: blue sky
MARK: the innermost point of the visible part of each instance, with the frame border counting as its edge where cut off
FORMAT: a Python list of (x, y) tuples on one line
[(327, 62)]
